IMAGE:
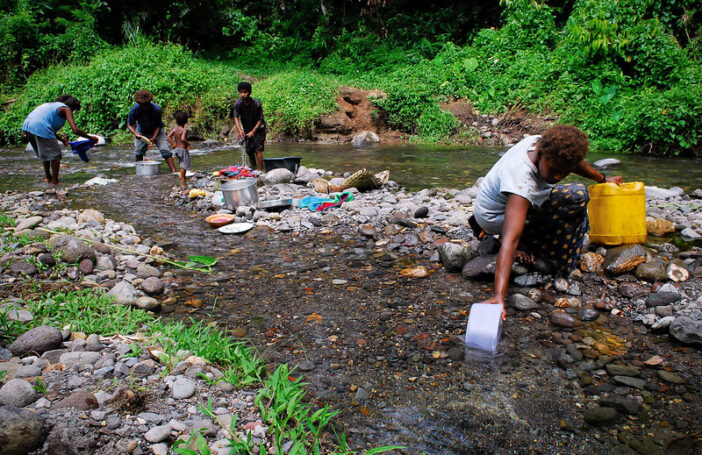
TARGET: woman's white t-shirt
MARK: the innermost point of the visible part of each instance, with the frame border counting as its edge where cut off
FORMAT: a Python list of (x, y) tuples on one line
[(514, 173)]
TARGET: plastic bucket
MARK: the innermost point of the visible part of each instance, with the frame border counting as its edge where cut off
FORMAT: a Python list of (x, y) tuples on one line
[(617, 213), (240, 192), (484, 327)]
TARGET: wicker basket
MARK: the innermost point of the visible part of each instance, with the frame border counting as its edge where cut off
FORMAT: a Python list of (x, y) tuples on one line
[(364, 180)]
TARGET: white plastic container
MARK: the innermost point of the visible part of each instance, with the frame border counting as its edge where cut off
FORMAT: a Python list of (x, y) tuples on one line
[(484, 327)]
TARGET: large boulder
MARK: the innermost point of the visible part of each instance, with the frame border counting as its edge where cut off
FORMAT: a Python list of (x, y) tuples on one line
[(21, 431), (71, 248), (39, 340), (687, 330)]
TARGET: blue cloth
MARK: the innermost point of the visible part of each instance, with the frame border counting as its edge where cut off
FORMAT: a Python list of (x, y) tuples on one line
[(318, 204), (146, 121), (44, 120), (81, 148)]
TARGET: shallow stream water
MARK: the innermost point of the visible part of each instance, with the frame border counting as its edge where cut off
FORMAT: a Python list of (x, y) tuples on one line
[(412, 166), (277, 288)]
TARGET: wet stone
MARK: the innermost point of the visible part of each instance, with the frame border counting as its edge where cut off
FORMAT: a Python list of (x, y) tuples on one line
[(563, 319), (588, 314), (662, 298), (614, 369), (600, 415), (521, 302), (624, 258), (671, 377), (630, 381)]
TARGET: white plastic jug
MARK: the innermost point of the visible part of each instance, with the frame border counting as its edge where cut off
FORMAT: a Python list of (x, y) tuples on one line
[(484, 327)]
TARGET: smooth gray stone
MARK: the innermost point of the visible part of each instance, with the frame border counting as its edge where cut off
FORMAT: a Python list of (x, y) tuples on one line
[(39, 340), (614, 369), (621, 404), (521, 302), (629, 381), (21, 430), (600, 415), (17, 392), (687, 330)]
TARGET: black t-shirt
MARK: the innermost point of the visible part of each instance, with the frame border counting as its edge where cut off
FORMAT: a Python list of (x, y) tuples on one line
[(249, 115), (146, 121)]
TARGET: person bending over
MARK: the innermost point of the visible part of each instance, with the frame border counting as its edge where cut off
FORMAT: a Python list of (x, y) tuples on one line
[(41, 126), (146, 124), (520, 201)]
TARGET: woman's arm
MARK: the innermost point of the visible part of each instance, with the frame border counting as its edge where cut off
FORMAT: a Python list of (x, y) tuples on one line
[(584, 169), (68, 113), (515, 217)]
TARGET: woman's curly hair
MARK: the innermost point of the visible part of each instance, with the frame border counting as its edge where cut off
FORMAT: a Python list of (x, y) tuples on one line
[(563, 145)]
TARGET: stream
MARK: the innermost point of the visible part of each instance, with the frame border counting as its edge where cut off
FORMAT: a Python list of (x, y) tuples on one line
[(363, 336)]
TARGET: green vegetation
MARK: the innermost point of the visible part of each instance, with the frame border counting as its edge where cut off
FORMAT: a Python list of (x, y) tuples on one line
[(628, 72), (280, 398)]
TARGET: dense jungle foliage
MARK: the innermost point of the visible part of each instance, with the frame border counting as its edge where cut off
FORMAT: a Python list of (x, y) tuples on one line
[(626, 71)]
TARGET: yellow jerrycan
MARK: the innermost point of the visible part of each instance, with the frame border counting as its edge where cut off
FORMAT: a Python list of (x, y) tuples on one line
[(617, 213)]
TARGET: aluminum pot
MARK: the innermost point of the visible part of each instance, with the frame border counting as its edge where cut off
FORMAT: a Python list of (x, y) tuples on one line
[(148, 167), (240, 192)]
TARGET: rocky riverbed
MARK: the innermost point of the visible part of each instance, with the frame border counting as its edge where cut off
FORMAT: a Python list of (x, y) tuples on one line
[(370, 299)]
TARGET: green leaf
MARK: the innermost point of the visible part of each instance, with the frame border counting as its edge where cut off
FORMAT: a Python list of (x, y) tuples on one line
[(205, 260), (202, 445), (470, 64)]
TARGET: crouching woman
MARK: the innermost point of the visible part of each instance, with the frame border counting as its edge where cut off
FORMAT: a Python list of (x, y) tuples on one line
[(520, 201)]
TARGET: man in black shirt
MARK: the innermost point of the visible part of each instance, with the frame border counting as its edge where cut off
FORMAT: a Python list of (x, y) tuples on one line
[(146, 124), (247, 113)]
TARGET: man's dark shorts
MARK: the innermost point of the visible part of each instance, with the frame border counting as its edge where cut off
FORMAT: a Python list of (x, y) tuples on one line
[(253, 145)]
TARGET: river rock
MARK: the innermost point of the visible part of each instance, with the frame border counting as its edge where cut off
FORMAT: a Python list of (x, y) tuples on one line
[(124, 293), (677, 273), (669, 376), (624, 258), (588, 314), (614, 369), (521, 302), (23, 268), (21, 430), (632, 290), (79, 358), (653, 192), (158, 433), (78, 400), (659, 227), (630, 381), (563, 319), (147, 271), (182, 388), (365, 138), (661, 298), (105, 263), (482, 265), (421, 212), (279, 175), (601, 415), (454, 256), (153, 286), (530, 279), (592, 262), (17, 392), (606, 163), (47, 259), (71, 248), (621, 404), (85, 266), (28, 223), (690, 234), (687, 330), (39, 340), (651, 271), (148, 303), (663, 323), (91, 215)]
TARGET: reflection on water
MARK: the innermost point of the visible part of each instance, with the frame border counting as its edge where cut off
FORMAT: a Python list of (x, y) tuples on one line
[(412, 166)]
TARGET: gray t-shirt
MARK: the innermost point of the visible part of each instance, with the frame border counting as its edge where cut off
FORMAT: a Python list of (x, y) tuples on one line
[(514, 173)]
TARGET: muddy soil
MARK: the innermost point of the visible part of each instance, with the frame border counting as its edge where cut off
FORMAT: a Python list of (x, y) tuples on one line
[(383, 349)]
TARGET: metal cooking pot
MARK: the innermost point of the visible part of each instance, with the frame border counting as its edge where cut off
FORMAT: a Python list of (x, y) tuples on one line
[(148, 167), (240, 192)]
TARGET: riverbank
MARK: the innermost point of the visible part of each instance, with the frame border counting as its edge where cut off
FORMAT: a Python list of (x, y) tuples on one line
[(363, 299)]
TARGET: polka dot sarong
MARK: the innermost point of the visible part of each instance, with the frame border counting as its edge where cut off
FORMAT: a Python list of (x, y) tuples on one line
[(556, 230)]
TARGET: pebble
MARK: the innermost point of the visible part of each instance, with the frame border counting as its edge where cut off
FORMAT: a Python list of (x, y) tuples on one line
[(182, 388), (158, 433)]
